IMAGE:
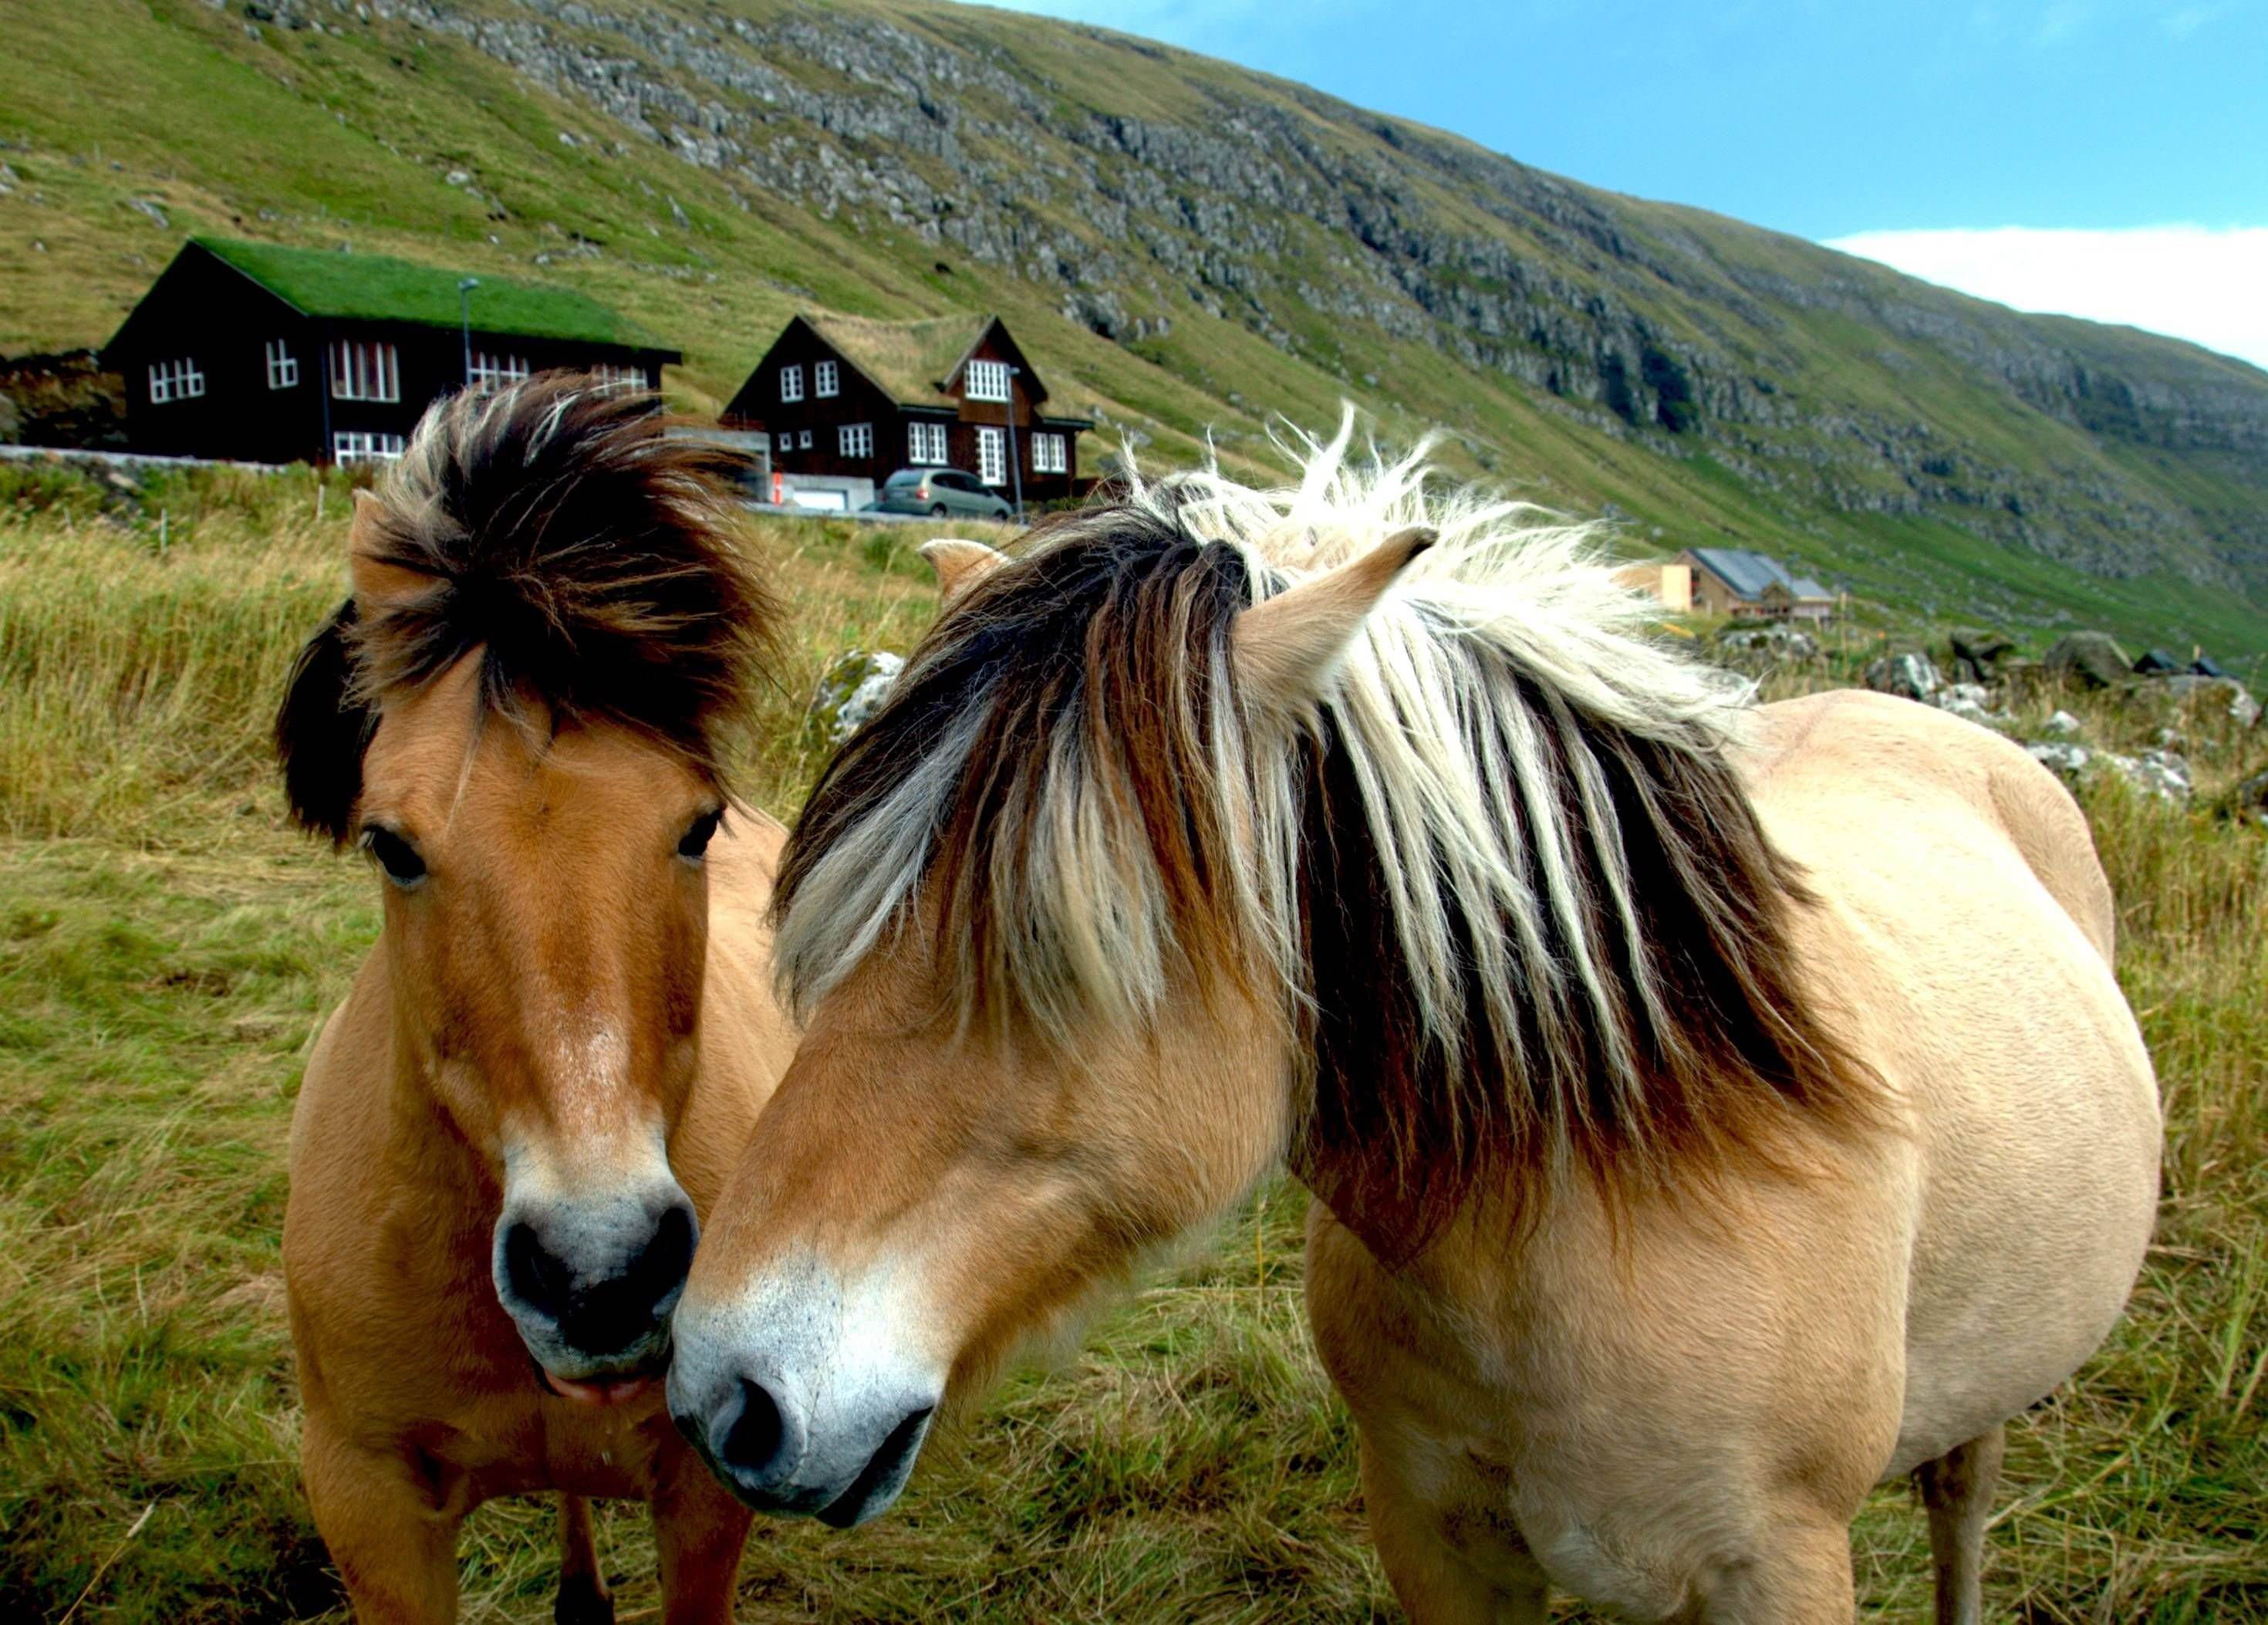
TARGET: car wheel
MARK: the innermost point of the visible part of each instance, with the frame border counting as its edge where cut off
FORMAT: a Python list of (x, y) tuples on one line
[(937, 510)]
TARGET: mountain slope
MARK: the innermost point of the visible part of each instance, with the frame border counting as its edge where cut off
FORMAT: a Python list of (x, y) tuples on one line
[(1183, 245)]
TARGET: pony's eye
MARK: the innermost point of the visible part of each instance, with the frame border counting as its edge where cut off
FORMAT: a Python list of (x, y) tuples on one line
[(697, 838), (396, 856)]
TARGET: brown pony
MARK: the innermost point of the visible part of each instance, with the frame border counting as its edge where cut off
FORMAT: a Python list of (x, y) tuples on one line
[(555, 1051), (1673, 1190)]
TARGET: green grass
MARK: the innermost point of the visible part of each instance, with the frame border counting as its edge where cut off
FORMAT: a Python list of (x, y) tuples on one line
[(315, 140), (374, 287), (167, 948)]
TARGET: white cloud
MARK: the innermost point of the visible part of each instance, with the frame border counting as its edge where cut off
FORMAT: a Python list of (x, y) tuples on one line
[(2209, 286)]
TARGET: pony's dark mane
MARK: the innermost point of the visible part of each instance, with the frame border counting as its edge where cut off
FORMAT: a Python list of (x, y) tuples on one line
[(1708, 1047), (595, 561), (1563, 944)]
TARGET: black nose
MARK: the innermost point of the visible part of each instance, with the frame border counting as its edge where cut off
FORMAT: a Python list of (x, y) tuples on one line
[(616, 1311)]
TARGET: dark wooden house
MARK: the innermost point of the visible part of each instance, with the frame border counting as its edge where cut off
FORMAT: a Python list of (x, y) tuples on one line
[(267, 354), (848, 396)]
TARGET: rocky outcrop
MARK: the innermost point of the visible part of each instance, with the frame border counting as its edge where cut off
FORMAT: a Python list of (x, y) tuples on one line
[(851, 690), (1911, 677), (2091, 659)]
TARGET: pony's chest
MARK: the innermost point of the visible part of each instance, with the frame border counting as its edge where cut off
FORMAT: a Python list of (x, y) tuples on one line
[(528, 1446)]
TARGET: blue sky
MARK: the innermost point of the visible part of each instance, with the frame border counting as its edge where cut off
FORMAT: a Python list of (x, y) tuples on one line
[(1834, 121)]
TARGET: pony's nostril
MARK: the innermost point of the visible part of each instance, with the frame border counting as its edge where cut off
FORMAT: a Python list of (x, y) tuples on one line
[(535, 1277), (754, 1441)]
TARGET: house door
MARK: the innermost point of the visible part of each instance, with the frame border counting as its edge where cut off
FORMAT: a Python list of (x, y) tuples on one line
[(992, 456)]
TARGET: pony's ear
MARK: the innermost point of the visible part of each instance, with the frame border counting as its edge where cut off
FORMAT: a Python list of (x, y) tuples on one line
[(321, 731), (959, 566), (1284, 649)]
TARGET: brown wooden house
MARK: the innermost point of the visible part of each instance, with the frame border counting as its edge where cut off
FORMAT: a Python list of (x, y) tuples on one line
[(267, 354), (846, 396)]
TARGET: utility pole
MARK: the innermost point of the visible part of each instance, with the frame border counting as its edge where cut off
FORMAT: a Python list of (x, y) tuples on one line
[(1015, 468), (465, 320)]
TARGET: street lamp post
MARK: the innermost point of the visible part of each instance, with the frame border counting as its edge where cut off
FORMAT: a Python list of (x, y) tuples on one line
[(465, 320), (1015, 468)]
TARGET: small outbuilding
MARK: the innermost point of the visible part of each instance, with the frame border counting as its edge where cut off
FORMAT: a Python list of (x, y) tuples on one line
[(266, 354), (1731, 580)]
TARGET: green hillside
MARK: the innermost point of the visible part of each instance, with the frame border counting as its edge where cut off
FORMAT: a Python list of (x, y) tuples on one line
[(1185, 249)]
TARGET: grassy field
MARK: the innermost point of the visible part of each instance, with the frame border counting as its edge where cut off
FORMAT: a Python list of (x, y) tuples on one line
[(167, 948)]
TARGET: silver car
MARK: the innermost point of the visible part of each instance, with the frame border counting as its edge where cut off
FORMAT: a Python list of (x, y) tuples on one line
[(939, 492)]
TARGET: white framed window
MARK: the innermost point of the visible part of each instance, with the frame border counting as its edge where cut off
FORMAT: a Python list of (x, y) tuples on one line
[(283, 365), (988, 381), (855, 440), (618, 375), (991, 455), (803, 440), (792, 383), (364, 369), (1049, 454), (826, 379), (925, 442), (358, 446), (175, 381), (490, 369)]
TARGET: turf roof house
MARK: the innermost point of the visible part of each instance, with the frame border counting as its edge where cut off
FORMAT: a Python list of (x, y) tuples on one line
[(1731, 580), (268, 354), (850, 397)]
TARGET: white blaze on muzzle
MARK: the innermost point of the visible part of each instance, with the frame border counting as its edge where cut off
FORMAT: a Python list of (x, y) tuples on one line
[(806, 1394)]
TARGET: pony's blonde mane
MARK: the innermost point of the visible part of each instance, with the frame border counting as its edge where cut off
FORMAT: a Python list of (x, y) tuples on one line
[(1504, 867)]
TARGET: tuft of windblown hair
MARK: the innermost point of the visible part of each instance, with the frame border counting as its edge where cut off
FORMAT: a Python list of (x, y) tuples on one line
[(596, 562), (1503, 882)]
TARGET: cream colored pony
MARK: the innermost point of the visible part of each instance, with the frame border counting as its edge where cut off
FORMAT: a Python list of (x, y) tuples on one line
[(1714, 1111)]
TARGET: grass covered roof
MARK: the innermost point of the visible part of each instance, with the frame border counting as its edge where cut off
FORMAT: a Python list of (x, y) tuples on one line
[(377, 287)]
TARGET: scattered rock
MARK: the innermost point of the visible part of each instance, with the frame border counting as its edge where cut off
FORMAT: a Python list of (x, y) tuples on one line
[(1911, 676), (1774, 642), (1967, 709), (1971, 702), (2092, 659), (2202, 696), (2161, 773), (1976, 651), (2062, 724), (2066, 759), (851, 690)]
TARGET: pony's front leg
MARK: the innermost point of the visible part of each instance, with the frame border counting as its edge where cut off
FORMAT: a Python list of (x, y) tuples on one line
[(699, 1529), (1434, 1582), (396, 1548)]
